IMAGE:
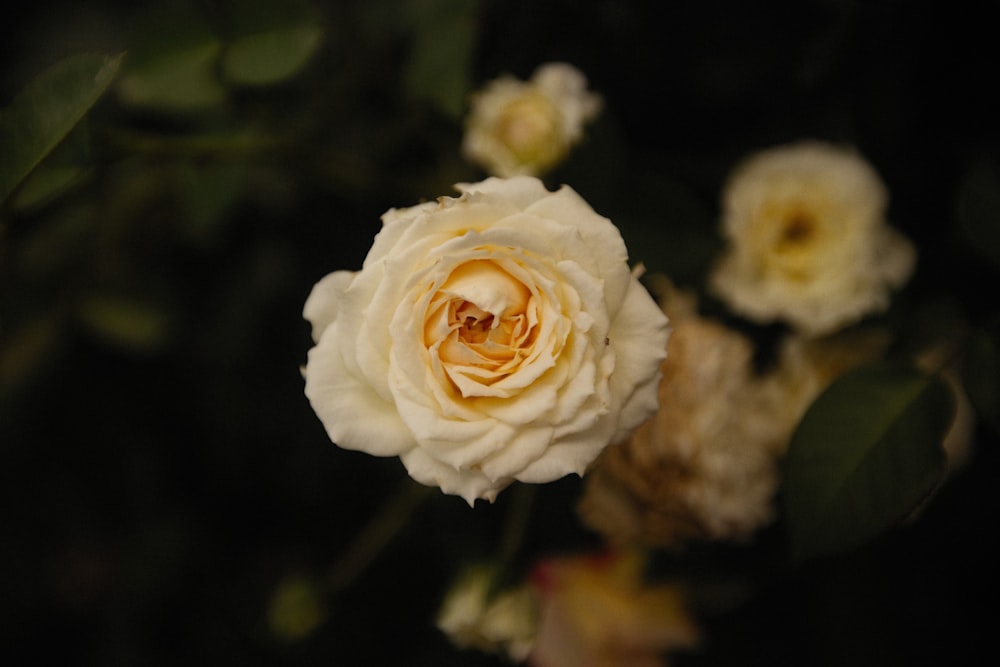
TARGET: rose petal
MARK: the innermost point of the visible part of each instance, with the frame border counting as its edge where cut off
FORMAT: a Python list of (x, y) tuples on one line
[(469, 484), (526, 446), (598, 233), (355, 417), (640, 343), (522, 191), (324, 300)]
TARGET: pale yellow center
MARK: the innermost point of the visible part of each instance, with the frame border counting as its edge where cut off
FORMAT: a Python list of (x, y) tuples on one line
[(531, 127), (789, 235), (481, 321), (797, 231)]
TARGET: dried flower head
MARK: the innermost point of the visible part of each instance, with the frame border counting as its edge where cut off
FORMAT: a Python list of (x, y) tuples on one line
[(705, 466)]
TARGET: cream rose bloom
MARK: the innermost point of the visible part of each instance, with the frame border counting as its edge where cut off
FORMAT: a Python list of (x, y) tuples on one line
[(516, 127), (807, 239), (492, 337)]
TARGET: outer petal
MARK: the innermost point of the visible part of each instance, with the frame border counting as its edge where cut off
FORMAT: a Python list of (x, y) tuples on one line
[(522, 191), (571, 454), (598, 233), (639, 335), (324, 300), (354, 415), (527, 446), (470, 484)]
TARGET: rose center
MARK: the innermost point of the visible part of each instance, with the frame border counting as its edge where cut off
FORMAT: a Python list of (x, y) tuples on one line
[(798, 230), (475, 324), (529, 127), (481, 324)]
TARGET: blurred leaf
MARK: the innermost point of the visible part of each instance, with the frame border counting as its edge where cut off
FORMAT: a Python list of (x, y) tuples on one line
[(979, 209), (981, 376), (270, 57), (125, 321), (48, 183), (273, 40), (46, 110), (172, 66), (439, 68), (296, 608), (865, 454)]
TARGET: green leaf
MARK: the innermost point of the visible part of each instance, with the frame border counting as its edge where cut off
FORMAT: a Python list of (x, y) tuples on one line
[(47, 183), (439, 67), (864, 456), (979, 209), (46, 110), (270, 57), (271, 42), (172, 67)]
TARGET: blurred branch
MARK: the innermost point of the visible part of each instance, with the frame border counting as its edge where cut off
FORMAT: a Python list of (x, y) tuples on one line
[(386, 523), (239, 145)]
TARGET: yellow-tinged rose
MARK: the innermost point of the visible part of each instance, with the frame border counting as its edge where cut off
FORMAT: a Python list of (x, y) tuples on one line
[(492, 337), (597, 611), (807, 239), (527, 127)]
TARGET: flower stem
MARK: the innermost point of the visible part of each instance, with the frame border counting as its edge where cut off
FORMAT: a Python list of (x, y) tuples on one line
[(522, 497), (384, 525)]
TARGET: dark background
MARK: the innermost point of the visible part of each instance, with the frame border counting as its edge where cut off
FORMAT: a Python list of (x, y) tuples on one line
[(153, 496)]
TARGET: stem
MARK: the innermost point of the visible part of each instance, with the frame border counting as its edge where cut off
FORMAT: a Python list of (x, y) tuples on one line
[(194, 145), (523, 495), (384, 525)]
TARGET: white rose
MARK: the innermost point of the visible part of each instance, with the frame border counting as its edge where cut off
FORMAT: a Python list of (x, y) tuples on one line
[(493, 337), (527, 127), (807, 239)]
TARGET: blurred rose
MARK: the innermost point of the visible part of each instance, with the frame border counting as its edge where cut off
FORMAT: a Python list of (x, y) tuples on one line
[(596, 611), (807, 239), (491, 337), (476, 615), (705, 467), (516, 127)]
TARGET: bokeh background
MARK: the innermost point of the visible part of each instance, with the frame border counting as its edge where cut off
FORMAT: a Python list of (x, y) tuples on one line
[(162, 472)]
